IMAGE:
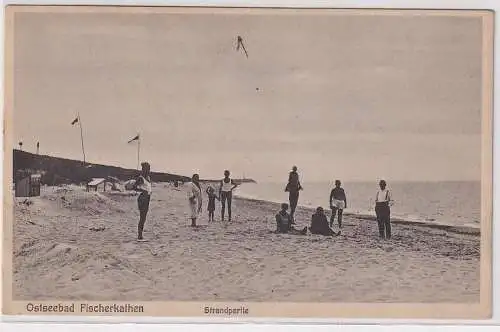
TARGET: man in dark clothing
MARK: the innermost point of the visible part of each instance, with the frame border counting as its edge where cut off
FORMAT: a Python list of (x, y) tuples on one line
[(319, 224), (383, 203), (284, 222), (338, 202), (293, 187), (143, 186)]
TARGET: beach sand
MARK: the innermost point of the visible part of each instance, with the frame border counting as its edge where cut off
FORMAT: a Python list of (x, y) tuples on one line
[(73, 245)]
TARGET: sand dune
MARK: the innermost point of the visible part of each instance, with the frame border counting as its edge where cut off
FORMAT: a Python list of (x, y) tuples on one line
[(74, 245)]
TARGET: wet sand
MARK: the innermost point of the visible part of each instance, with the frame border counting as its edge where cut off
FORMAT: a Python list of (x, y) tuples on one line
[(74, 245)]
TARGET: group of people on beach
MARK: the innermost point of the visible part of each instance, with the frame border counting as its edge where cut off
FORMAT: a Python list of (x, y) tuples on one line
[(195, 198), (225, 196), (284, 220), (338, 202), (319, 221)]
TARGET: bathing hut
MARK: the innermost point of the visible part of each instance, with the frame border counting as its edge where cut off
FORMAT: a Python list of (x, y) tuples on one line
[(29, 186), (97, 184)]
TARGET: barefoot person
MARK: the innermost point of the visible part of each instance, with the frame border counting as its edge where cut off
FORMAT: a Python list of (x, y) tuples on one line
[(284, 222), (195, 199), (383, 201), (319, 224), (338, 202), (293, 187), (226, 194), (143, 186), (211, 202)]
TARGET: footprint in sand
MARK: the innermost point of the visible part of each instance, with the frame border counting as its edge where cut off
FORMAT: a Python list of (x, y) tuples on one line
[(277, 272)]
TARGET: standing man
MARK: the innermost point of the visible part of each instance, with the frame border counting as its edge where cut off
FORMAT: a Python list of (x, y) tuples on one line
[(226, 188), (383, 201), (293, 187), (143, 186), (338, 202)]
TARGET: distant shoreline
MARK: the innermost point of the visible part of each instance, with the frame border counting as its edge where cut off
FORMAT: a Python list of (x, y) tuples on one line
[(76, 171), (236, 180), (58, 170)]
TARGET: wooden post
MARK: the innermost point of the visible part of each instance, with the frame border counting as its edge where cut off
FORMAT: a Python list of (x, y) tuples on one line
[(81, 136), (138, 151)]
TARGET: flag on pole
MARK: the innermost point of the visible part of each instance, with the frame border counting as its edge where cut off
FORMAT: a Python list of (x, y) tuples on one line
[(136, 138), (75, 121)]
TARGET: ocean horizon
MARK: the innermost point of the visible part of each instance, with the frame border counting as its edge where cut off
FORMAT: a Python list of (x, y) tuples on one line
[(455, 203)]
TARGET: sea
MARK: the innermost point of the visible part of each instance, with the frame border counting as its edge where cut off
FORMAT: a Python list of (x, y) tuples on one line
[(449, 203)]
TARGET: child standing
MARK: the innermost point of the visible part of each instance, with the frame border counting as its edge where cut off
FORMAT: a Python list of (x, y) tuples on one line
[(211, 202)]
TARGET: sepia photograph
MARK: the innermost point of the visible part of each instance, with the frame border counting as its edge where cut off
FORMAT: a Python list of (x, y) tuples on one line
[(248, 162)]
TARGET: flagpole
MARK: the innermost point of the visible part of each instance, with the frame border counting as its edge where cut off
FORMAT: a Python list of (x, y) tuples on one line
[(138, 149), (81, 136)]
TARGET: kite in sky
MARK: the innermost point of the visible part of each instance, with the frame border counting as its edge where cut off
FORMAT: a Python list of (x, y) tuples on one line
[(240, 43)]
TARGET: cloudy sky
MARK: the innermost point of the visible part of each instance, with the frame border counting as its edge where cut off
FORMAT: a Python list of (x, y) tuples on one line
[(356, 97)]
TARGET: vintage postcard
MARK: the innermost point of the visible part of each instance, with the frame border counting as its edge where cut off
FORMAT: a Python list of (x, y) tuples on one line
[(248, 162)]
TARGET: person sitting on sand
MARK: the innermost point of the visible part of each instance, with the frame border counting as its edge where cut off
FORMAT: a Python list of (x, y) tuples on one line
[(284, 222), (211, 202), (195, 199), (293, 187), (143, 186), (338, 202), (319, 224), (226, 188), (383, 201)]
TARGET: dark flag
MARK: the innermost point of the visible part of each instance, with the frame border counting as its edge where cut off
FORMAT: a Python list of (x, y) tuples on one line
[(136, 138), (77, 120)]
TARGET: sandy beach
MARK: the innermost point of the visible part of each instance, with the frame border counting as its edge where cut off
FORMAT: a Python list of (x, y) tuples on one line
[(75, 245)]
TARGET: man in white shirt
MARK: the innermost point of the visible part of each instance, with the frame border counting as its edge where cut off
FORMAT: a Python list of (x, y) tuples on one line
[(383, 201)]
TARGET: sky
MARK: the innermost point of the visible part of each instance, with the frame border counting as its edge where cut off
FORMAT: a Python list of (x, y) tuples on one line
[(355, 97)]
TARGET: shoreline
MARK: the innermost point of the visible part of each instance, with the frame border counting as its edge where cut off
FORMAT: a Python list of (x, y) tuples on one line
[(458, 229)]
